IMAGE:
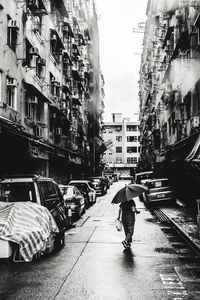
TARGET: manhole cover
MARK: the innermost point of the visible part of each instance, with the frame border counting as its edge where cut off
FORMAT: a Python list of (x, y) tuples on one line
[(166, 250), (152, 220), (96, 220)]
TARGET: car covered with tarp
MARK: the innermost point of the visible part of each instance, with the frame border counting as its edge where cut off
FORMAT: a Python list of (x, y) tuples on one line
[(26, 228)]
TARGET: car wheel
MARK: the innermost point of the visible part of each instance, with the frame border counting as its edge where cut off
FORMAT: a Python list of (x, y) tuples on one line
[(78, 213), (60, 240), (87, 202)]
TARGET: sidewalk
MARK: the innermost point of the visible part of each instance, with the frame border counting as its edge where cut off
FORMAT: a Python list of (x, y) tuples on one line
[(185, 222)]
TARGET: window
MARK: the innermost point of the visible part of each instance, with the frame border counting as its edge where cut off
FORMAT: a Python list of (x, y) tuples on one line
[(50, 194), (119, 138), (118, 160), (17, 192), (118, 128), (131, 149), (54, 86), (132, 160), (132, 139), (12, 33), (37, 23), (118, 149), (131, 128), (11, 92), (40, 67)]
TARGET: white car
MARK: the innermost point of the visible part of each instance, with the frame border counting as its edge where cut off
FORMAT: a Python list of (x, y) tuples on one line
[(87, 189), (73, 199)]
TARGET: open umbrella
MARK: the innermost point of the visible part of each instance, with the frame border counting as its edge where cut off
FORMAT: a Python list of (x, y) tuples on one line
[(128, 192)]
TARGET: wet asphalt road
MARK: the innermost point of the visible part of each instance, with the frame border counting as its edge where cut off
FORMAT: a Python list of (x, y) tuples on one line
[(93, 264)]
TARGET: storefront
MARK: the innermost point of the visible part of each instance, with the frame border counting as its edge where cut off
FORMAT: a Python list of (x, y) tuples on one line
[(183, 169)]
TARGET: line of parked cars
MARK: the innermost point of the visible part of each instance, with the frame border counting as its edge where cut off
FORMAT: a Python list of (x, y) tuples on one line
[(65, 202)]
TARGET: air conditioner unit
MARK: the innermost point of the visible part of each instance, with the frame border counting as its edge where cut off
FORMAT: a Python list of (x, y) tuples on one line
[(55, 83), (53, 37), (11, 81), (65, 20), (63, 105), (63, 96), (33, 3), (42, 61), (65, 28), (33, 100), (38, 132), (179, 13), (33, 51), (13, 24), (58, 131), (195, 121), (165, 16)]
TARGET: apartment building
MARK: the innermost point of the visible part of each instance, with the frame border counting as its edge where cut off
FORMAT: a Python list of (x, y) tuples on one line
[(123, 151), (169, 94), (50, 103)]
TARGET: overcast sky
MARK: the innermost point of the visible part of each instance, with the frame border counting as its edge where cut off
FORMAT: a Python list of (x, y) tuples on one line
[(119, 48)]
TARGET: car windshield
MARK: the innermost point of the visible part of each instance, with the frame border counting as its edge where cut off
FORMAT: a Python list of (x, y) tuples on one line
[(81, 186), (67, 190), (17, 192)]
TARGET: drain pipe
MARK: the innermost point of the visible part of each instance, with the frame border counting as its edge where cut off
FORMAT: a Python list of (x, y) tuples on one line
[(198, 217)]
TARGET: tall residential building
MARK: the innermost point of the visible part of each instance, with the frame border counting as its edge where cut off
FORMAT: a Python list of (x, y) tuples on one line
[(49, 87), (169, 95), (123, 138)]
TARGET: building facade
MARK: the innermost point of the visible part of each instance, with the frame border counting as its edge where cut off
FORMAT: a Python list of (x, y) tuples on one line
[(123, 139), (169, 94), (50, 102)]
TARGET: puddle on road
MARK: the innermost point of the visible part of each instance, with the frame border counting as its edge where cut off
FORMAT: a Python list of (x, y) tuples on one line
[(151, 220), (166, 250)]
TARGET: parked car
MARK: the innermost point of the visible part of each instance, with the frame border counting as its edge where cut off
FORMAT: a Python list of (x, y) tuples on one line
[(107, 181), (87, 189), (99, 184), (73, 199), (125, 177), (40, 190), (142, 177), (159, 190)]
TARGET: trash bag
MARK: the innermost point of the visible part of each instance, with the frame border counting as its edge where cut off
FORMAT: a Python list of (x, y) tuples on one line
[(118, 225)]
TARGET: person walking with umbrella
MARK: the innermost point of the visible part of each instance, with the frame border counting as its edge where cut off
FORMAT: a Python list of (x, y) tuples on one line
[(127, 209)]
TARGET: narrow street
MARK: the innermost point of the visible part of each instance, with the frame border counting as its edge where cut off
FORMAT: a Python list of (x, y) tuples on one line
[(94, 265)]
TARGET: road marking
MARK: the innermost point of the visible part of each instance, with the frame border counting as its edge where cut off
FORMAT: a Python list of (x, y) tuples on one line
[(174, 287)]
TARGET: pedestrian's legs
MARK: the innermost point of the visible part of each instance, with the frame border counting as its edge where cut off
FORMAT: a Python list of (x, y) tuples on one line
[(130, 230), (125, 226), (129, 234)]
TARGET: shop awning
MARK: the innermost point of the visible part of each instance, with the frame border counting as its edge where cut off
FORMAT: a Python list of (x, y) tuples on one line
[(182, 150), (194, 155), (32, 90)]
